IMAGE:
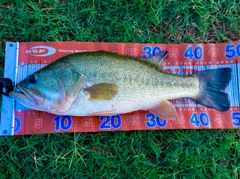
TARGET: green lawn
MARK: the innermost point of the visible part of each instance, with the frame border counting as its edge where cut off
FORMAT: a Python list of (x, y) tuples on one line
[(138, 154)]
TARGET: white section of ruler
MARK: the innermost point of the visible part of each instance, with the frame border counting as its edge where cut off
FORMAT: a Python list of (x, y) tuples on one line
[(10, 71)]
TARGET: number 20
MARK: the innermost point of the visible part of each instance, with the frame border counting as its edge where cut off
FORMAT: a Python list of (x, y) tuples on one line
[(109, 122)]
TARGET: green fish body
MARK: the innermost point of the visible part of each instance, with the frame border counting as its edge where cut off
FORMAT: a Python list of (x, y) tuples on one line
[(102, 83)]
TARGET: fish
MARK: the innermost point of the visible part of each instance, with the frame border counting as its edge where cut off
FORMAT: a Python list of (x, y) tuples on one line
[(104, 84)]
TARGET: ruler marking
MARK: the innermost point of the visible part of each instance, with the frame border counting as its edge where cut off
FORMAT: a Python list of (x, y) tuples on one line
[(10, 71), (237, 75), (186, 103)]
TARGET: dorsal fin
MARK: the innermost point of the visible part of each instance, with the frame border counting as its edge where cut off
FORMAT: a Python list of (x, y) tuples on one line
[(159, 59)]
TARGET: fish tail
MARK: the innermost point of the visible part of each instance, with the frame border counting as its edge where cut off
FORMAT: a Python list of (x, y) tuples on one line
[(212, 86)]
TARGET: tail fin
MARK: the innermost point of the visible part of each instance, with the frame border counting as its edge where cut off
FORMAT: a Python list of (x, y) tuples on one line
[(212, 86)]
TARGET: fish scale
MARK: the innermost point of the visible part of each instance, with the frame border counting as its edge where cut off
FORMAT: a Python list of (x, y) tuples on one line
[(154, 88), (100, 83)]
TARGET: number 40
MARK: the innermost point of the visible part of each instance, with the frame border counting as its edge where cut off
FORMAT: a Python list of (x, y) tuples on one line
[(202, 119), (196, 53)]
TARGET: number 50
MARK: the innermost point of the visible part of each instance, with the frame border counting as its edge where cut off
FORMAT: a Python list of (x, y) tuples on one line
[(231, 51)]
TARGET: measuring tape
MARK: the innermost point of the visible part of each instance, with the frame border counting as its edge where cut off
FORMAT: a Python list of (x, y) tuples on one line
[(23, 59)]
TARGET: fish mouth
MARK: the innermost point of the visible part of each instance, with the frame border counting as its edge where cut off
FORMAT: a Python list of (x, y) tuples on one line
[(32, 97)]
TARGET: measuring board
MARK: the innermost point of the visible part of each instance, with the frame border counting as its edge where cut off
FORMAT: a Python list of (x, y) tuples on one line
[(23, 59)]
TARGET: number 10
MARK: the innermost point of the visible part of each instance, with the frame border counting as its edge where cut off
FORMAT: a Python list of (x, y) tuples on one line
[(64, 123)]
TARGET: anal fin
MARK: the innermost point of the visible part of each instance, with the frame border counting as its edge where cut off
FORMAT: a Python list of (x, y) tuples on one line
[(165, 110)]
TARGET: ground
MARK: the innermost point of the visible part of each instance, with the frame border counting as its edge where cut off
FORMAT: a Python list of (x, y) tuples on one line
[(137, 154)]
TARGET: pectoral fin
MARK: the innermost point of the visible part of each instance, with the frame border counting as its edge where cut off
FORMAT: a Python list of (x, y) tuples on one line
[(102, 91), (165, 110)]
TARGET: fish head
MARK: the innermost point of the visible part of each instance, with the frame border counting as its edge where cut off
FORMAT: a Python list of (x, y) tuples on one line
[(39, 90), (50, 89)]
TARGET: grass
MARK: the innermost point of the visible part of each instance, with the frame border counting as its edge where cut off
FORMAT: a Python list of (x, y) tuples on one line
[(138, 154), (145, 154)]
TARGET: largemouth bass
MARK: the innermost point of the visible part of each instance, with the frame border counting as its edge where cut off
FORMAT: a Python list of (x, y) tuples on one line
[(102, 83)]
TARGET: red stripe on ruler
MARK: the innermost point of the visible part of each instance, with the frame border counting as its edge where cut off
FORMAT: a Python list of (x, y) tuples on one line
[(35, 122)]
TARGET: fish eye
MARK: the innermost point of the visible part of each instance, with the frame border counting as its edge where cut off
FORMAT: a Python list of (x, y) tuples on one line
[(32, 79)]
